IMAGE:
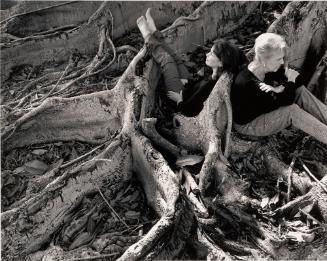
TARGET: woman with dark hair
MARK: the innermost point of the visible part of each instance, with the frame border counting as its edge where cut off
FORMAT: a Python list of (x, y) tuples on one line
[(188, 93)]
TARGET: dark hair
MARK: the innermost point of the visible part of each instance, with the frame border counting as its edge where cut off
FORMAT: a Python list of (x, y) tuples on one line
[(232, 58)]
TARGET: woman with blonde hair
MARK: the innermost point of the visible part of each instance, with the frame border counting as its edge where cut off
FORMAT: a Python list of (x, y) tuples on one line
[(267, 96)]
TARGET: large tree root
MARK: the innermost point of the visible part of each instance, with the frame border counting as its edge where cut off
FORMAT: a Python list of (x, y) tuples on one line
[(316, 196), (118, 118), (60, 45)]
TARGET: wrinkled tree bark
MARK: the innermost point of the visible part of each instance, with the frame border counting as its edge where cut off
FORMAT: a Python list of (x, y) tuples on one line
[(120, 118)]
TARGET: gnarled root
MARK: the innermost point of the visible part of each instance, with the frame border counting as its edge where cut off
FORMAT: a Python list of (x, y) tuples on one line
[(315, 196)]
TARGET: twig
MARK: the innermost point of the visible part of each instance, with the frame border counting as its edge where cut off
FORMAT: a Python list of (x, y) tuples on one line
[(112, 24), (289, 179), (60, 28), (111, 208), (202, 46), (41, 9), (312, 176), (80, 157), (91, 257), (52, 90), (86, 74), (229, 123), (126, 48), (310, 217)]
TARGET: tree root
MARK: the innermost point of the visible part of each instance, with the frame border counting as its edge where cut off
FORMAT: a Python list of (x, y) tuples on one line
[(116, 117), (34, 11), (275, 166), (315, 196), (215, 252), (148, 127)]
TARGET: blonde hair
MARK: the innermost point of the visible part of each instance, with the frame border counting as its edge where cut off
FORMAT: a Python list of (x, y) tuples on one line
[(267, 43)]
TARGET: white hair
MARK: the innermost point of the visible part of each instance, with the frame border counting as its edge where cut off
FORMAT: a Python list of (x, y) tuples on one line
[(267, 43)]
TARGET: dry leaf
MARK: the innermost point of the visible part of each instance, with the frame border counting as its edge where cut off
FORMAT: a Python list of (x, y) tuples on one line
[(189, 160), (276, 14), (274, 199), (307, 209), (264, 202), (301, 237), (80, 240), (19, 170), (35, 167), (39, 152), (132, 214)]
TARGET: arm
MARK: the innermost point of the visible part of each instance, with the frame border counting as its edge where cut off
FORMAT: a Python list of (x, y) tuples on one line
[(194, 96)]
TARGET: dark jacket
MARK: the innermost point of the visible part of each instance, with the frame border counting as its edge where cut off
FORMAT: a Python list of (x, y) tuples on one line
[(249, 102), (194, 94)]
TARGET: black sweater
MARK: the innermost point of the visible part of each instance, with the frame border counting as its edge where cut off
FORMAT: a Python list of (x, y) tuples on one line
[(249, 102), (194, 94)]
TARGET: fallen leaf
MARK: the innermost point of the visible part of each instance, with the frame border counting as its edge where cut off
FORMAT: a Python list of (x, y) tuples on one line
[(307, 209), (73, 154), (119, 195), (189, 160), (19, 170), (36, 167), (308, 237), (276, 14), (264, 202), (301, 237), (296, 223), (274, 200), (82, 239), (132, 214), (39, 152), (127, 198)]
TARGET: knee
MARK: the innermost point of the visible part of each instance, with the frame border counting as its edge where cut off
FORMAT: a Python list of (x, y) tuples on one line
[(301, 90), (294, 112), (294, 108), (161, 56)]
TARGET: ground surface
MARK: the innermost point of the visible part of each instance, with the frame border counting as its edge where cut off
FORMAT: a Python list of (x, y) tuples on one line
[(106, 231)]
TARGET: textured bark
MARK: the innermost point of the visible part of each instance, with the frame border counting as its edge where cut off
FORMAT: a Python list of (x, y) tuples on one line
[(118, 118), (61, 43)]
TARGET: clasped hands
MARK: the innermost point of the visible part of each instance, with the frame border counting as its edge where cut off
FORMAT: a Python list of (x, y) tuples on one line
[(291, 77), (175, 96)]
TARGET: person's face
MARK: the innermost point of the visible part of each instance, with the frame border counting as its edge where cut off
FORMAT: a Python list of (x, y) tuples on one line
[(212, 60), (274, 62)]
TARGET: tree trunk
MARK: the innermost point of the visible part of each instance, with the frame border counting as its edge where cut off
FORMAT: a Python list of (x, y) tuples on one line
[(122, 119)]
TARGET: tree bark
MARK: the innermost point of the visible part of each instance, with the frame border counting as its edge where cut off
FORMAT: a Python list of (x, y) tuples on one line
[(122, 118)]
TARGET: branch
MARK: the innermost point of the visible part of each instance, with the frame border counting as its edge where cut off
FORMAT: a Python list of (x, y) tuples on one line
[(149, 129), (34, 11)]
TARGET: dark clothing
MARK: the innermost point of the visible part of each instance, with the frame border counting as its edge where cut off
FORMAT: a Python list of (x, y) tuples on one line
[(249, 102), (195, 93)]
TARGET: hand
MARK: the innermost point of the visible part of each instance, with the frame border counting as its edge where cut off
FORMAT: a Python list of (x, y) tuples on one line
[(267, 88), (184, 81), (279, 89), (291, 74), (175, 96)]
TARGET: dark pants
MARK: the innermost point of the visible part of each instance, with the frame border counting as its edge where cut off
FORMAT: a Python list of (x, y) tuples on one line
[(307, 114), (173, 68)]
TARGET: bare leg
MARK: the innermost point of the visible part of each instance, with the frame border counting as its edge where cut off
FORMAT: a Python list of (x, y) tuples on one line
[(151, 23), (144, 27)]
